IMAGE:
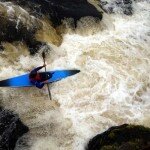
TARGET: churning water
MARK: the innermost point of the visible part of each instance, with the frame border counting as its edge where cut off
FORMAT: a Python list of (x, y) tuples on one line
[(112, 88)]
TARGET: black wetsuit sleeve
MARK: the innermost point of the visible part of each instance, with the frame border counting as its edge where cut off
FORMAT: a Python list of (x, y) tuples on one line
[(37, 69), (34, 72)]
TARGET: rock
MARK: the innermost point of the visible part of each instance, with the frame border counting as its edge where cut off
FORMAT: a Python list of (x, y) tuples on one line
[(11, 128), (60, 9), (19, 25), (124, 137), (16, 28)]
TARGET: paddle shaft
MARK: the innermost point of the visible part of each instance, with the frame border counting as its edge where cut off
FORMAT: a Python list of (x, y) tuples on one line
[(43, 55)]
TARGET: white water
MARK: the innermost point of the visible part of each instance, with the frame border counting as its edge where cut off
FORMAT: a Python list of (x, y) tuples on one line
[(113, 87)]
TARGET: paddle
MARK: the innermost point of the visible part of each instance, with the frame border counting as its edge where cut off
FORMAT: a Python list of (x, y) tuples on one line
[(43, 55)]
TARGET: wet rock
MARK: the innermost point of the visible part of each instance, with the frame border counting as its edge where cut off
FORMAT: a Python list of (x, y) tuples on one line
[(18, 25), (124, 137), (11, 128), (60, 9), (57, 10), (117, 6), (1, 48)]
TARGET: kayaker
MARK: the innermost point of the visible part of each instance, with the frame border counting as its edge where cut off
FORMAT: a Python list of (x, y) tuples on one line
[(36, 78)]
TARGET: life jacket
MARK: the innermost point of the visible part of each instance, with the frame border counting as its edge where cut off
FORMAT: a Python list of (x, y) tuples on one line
[(36, 78)]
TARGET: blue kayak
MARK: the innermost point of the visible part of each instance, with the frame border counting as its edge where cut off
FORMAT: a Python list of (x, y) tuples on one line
[(23, 80)]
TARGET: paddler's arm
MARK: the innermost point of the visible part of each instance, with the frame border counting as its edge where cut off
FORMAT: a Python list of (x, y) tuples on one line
[(39, 84), (38, 68)]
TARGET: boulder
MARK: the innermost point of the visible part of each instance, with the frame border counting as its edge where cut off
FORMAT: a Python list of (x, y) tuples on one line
[(123, 137), (57, 10), (16, 28), (11, 128)]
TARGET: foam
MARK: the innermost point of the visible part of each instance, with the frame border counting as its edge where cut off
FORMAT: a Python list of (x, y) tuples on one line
[(111, 89)]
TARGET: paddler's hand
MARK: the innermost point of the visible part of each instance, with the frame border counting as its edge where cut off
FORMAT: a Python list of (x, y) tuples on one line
[(44, 65), (45, 81)]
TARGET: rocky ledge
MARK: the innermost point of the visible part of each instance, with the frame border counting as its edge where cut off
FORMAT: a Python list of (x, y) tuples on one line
[(18, 25), (11, 128), (57, 10), (124, 137), (21, 20)]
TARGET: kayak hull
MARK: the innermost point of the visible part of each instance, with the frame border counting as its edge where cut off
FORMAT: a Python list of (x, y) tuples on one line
[(23, 80)]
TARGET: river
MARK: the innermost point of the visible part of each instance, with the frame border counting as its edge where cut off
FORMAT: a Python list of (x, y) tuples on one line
[(112, 88)]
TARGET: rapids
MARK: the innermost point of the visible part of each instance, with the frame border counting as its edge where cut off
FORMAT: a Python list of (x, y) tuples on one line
[(112, 88)]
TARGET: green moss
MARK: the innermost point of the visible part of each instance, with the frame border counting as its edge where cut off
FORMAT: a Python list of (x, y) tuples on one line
[(109, 147), (134, 145), (139, 127), (124, 137), (101, 140), (111, 135), (144, 128), (116, 130), (130, 126)]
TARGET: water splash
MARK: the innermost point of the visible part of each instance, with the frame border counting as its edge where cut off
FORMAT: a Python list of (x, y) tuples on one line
[(112, 88)]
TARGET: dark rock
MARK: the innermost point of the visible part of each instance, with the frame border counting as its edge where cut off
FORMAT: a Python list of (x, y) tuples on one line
[(114, 6), (60, 9), (127, 8), (124, 137), (1, 48), (11, 128), (11, 30), (57, 10)]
